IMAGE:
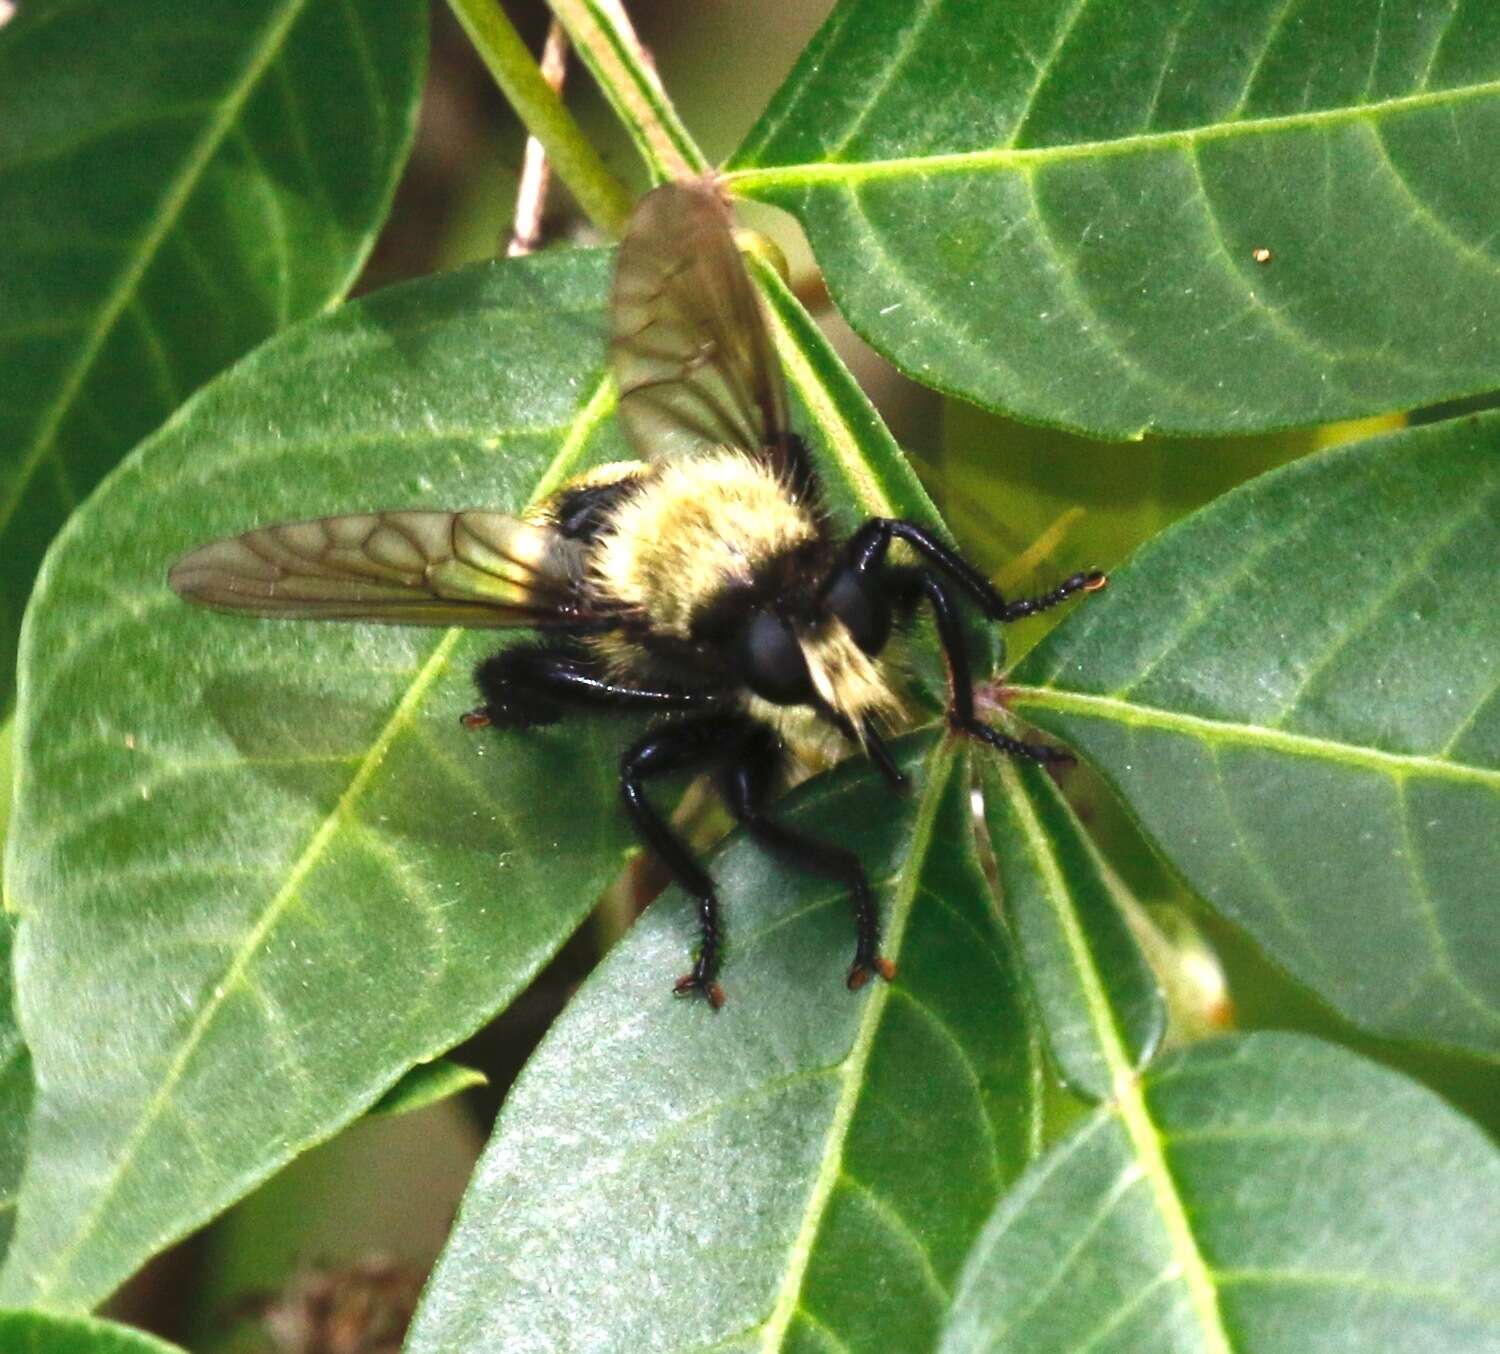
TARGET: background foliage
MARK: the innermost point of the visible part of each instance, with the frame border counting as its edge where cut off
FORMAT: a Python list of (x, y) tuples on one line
[(260, 880)]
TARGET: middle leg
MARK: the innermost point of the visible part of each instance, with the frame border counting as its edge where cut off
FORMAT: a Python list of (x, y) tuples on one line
[(531, 684), (691, 745)]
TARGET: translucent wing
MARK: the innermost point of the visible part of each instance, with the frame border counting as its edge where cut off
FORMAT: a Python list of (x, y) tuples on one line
[(690, 351), (479, 569)]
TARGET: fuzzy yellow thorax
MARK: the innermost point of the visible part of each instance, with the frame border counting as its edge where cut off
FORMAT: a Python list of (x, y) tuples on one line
[(694, 528)]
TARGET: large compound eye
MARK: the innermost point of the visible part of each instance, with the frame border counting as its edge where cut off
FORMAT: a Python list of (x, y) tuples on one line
[(774, 664), (867, 617)]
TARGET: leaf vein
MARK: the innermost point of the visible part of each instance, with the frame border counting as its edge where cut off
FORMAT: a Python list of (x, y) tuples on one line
[(163, 220), (160, 1100)]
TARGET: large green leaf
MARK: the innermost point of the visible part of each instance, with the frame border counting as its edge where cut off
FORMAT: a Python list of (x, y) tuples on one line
[(805, 1168), (1264, 1195), (1055, 209), (261, 868), (177, 181), (1297, 691), (38, 1333)]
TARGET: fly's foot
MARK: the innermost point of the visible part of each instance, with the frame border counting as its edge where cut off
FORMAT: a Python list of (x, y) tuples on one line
[(862, 967), (699, 981), (1015, 747)]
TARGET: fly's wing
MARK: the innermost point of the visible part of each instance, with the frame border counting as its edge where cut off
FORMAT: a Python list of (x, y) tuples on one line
[(479, 569), (689, 346)]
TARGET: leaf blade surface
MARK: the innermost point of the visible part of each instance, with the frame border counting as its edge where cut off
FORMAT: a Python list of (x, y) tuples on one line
[(215, 176), (1058, 211), (40, 1333), (1291, 1163), (1295, 690), (283, 863), (669, 1178)]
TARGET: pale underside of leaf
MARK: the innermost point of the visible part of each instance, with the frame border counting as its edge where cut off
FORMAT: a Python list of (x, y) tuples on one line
[(761, 1153)]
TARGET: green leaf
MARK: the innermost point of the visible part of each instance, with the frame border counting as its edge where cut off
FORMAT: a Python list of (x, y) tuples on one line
[(268, 871), (1054, 209), (1098, 1002), (1257, 1194), (426, 1084), (803, 1168), (1295, 690), (177, 181), (40, 1333), (15, 1090), (291, 873)]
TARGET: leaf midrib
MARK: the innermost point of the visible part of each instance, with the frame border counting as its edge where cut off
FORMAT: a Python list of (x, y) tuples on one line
[(1024, 158), (167, 213), (593, 412), (787, 1303), (1129, 1103), (1215, 729)]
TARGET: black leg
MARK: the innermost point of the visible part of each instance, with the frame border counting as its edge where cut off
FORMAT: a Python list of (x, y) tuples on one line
[(688, 746), (1091, 581), (961, 713), (870, 545), (746, 783), (523, 687), (796, 463)]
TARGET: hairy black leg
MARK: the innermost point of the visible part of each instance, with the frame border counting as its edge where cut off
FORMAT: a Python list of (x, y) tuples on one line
[(961, 713), (688, 746), (523, 687), (746, 783), (1091, 581), (869, 546)]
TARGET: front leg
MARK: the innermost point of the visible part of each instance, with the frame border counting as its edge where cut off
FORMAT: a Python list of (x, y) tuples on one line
[(746, 785), (870, 545), (961, 713)]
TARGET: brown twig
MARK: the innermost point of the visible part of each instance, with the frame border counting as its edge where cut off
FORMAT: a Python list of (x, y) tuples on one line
[(536, 173)]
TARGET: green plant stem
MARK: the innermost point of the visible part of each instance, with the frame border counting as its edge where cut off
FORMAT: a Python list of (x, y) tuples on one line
[(602, 196), (604, 39)]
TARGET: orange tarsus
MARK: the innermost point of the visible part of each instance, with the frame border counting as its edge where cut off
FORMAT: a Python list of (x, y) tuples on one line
[(859, 975), (687, 985)]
